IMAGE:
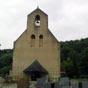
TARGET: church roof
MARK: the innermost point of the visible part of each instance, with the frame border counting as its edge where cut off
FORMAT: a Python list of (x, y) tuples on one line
[(36, 10), (35, 67)]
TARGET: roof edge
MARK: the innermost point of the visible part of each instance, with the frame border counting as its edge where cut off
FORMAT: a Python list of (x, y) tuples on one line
[(36, 10)]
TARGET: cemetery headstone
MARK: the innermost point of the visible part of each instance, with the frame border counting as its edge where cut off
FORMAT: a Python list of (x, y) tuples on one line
[(47, 85), (64, 81), (75, 85), (84, 83), (41, 81)]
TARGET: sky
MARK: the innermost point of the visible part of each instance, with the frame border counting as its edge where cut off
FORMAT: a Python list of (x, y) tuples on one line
[(67, 19)]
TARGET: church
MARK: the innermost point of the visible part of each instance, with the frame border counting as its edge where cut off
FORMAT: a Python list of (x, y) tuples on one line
[(36, 52)]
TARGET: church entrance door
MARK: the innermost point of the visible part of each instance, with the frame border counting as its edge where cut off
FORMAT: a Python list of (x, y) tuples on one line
[(35, 76)]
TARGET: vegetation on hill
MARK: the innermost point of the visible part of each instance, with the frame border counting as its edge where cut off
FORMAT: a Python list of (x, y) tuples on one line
[(5, 61), (74, 58)]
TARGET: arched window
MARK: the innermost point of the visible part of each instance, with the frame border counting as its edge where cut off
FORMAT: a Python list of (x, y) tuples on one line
[(41, 37), (32, 40), (40, 40), (37, 20), (32, 36)]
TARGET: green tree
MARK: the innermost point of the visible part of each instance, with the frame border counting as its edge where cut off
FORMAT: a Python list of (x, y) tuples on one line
[(68, 66), (84, 62), (74, 56), (5, 61)]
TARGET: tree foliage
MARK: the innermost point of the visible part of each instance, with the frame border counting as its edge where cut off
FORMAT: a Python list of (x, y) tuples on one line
[(77, 52), (5, 61)]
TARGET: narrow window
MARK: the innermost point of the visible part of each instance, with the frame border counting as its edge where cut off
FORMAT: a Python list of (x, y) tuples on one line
[(32, 40), (40, 40)]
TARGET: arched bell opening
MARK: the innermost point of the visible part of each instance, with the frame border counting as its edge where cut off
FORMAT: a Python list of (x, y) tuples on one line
[(37, 20)]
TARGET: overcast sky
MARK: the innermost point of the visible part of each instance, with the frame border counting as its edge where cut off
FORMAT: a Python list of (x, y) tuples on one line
[(68, 19)]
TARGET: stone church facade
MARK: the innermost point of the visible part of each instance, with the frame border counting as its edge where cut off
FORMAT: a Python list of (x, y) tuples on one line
[(36, 52)]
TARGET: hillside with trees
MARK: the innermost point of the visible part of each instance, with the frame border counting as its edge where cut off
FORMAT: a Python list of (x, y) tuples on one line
[(5, 61), (74, 58)]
